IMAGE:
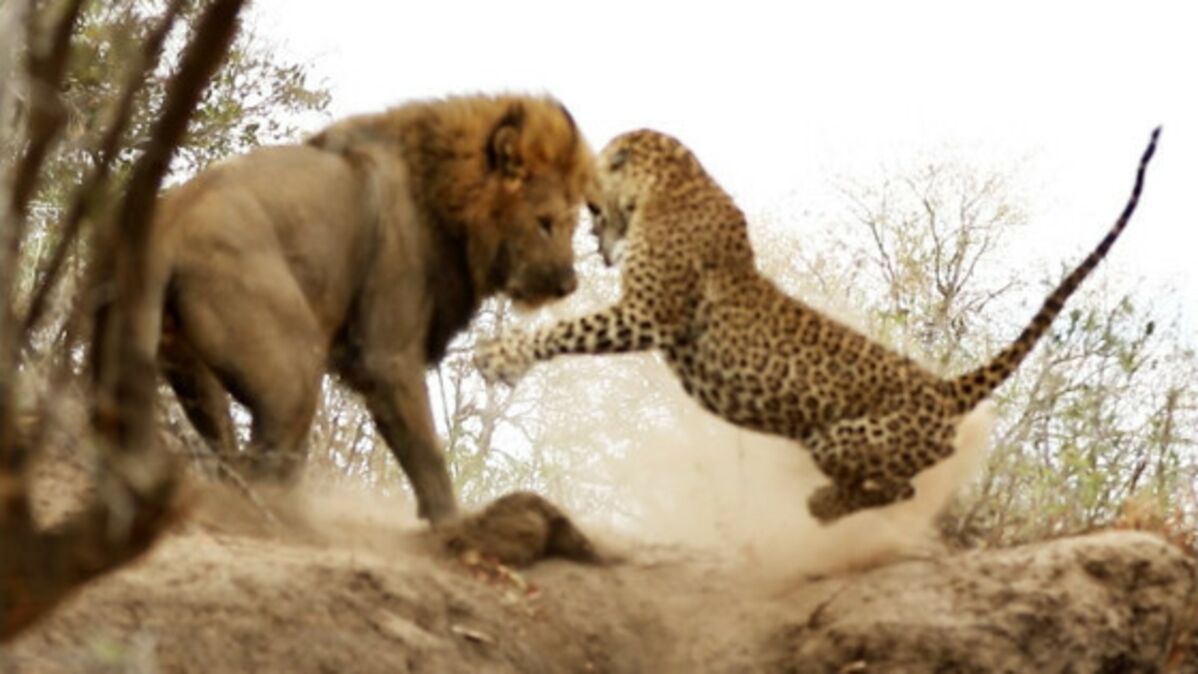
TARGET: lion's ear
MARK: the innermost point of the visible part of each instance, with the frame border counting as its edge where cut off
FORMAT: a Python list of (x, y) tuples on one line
[(332, 139), (503, 146)]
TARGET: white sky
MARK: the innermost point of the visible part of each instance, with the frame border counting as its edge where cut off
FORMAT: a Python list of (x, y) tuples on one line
[(777, 96)]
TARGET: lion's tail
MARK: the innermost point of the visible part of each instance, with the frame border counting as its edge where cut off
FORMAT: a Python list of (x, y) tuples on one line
[(971, 388)]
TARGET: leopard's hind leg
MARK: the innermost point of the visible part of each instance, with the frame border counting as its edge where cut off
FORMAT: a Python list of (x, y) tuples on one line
[(871, 462)]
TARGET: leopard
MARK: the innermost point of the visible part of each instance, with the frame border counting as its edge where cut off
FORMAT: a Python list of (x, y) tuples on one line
[(870, 417)]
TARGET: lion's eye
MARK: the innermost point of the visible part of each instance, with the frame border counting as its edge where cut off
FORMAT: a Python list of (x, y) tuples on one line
[(592, 208), (546, 223)]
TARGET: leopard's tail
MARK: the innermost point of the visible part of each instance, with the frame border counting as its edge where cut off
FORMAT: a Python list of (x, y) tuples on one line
[(969, 389)]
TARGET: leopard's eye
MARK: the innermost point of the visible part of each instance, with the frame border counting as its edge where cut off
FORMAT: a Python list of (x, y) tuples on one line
[(592, 208), (546, 223), (617, 160)]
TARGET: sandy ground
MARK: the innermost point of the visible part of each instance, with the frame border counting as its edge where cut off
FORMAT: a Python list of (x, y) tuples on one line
[(338, 589), (210, 600), (342, 588), (345, 581)]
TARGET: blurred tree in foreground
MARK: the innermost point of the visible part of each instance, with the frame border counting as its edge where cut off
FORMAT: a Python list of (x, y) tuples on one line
[(135, 481), (255, 97)]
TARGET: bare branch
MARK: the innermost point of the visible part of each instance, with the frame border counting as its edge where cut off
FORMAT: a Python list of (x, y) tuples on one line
[(104, 155), (137, 481), (122, 393), (46, 62)]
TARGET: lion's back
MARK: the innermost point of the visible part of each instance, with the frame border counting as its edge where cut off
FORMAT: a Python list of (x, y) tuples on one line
[(279, 186), (290, 211)]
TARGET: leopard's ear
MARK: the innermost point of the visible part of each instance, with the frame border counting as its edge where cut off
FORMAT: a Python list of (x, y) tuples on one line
[(618, 159), (503, 144)]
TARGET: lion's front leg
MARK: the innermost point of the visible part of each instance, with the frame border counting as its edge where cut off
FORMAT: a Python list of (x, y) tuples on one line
[(616, 329)]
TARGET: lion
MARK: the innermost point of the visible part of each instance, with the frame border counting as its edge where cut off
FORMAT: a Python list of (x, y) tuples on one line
[(360, 252)]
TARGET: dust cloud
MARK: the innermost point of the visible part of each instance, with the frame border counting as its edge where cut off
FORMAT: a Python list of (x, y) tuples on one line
[(706, 484), (692, 482)]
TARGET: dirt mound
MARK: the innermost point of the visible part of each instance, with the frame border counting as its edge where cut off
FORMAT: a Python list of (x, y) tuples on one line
[(347, 594)]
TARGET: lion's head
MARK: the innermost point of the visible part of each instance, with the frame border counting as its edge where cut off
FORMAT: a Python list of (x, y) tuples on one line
[(505, 175), (538, 169)]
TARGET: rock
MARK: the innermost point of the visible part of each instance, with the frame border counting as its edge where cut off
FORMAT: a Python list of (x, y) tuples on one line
[(1111, 602)]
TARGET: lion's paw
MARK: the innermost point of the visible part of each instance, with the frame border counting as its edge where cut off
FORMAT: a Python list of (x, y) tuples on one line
[(504, 360)]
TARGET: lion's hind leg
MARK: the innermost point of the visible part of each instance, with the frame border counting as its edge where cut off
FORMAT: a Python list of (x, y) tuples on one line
[(201, 395), (262, 342)]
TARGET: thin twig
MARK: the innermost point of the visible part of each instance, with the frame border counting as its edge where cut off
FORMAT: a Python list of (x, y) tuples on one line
[(46, 63), (126, 373), (105, 154)]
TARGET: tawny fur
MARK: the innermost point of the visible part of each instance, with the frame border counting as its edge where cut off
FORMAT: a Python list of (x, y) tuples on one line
[(871, 418), (362, 251), (518, 530)]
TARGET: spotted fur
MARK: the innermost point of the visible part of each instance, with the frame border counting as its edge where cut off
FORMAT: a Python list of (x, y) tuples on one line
[(755, 356)]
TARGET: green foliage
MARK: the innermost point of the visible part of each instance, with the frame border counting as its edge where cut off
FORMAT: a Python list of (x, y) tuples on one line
[(255, 98)]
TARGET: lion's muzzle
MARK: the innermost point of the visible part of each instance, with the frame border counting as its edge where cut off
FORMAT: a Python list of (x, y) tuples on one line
[(565, 282)]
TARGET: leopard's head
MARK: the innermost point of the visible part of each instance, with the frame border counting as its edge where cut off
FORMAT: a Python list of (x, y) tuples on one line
[(629, 168)]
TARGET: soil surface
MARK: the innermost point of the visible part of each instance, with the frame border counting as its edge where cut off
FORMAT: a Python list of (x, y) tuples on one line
[(344, 588)]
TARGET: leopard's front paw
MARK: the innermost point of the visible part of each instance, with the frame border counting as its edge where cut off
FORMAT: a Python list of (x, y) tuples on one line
[(503, 360)]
